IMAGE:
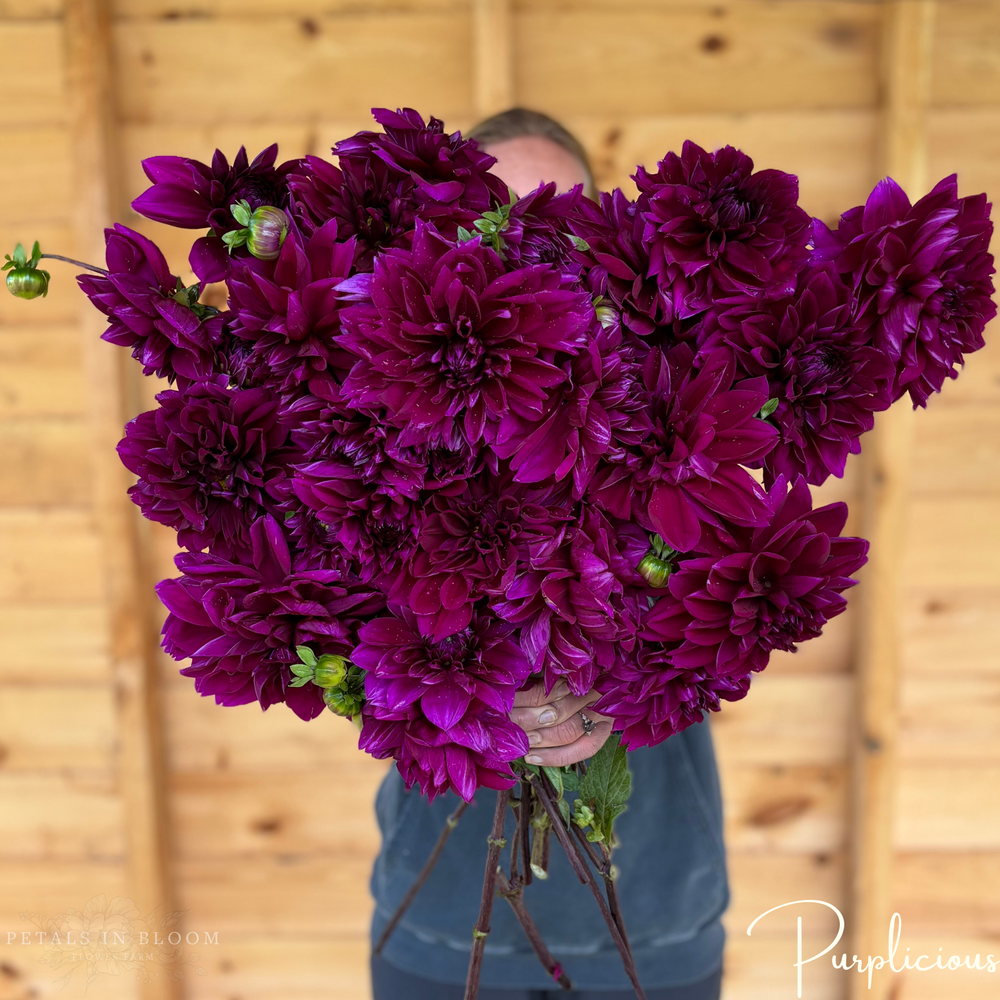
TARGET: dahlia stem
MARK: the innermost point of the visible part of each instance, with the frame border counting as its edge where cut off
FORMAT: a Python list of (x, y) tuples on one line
[(482, 928), (524, 830), (578, 859), (425, 872), (514, 894), (79, 263)]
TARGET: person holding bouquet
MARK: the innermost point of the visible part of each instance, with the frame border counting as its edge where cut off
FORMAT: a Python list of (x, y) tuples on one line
[(672, 872)]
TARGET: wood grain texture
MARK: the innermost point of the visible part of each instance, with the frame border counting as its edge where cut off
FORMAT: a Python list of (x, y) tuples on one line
[(905, 74)]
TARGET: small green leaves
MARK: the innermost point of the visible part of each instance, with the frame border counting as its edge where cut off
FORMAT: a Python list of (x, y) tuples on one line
[(188, 297), (583, 815), (581, 244), (768, 408), (607, 314), (605, 789), (241, 212), (25, 279), (490, 227)]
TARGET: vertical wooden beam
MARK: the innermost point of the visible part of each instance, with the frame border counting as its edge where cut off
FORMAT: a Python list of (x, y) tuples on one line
[(906, 69), (493, 56), (113, 378)]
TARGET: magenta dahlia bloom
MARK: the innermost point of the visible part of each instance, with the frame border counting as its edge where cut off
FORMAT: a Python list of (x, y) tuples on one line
[(151, 313), (538, 232), (617, 263), (746, 593), (718, 227), (240, 622), (921, 277), (209, 460), (651, 698), (688, 470), (440, 708), (596, 412), (577, 600), (453, 341), (290, 309), (467, 549), (390, 179), (821, 368)]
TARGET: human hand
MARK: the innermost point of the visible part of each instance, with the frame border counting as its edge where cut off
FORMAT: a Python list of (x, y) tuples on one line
[(554, 727)]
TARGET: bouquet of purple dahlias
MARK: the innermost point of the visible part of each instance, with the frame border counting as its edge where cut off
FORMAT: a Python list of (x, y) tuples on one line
[(445, 444)]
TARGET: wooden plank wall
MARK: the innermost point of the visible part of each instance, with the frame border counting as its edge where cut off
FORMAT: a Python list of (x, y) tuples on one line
[(272, 832)]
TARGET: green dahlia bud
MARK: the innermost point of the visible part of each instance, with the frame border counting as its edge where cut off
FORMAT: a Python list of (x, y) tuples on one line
[(25, 279), (330, 671), (268, 229), (342, 702), (264, 230), (654, 570), (606, 312)]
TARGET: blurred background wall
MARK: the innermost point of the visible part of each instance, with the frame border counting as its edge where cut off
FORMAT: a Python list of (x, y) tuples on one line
[(117, 779)]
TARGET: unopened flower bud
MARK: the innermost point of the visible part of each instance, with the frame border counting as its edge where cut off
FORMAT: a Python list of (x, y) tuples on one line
[(330, 671), (654, 570), (608, 316), (342, 702), (27, 282), (24, 278), (268, 228)]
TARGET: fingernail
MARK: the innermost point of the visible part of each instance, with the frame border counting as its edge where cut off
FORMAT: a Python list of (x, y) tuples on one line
[(533, 758), (547, 717), (534, 738)]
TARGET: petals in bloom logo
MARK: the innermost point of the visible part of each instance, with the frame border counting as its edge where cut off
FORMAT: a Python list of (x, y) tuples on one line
[(113, 938)]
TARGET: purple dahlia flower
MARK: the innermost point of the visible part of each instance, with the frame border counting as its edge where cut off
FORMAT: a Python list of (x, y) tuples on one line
[(577, 599), (441, 708), (290, 309), (164, 326), (689, 469), (193, 195), (827, 378), (597, 412), (618, 264), (747, 591), (209, 461), (921, 277), (452, 341), (718, 227), (467, 548), (240, 622), (389, 179), (537, 230), (651, 698)]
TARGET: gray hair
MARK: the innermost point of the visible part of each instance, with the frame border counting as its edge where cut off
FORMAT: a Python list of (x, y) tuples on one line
[(517, 122)]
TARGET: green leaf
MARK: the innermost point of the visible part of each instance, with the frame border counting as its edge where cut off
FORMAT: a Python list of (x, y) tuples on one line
[(767, 409), (464, 235), (555, 775), (235, 238), (36, 254), (571, 780), (307, 656), (241, 212), (300, 682), (564, 809), (483, 226), (579, 243), (607, 785), (301, 670)]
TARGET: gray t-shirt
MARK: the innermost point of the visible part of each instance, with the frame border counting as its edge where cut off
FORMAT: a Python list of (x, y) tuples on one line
[(672, 883)]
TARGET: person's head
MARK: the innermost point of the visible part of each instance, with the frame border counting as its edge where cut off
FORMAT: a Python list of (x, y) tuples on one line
[(531, 149)]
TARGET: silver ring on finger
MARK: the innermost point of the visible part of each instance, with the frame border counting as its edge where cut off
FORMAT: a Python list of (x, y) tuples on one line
[(588, 724)]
